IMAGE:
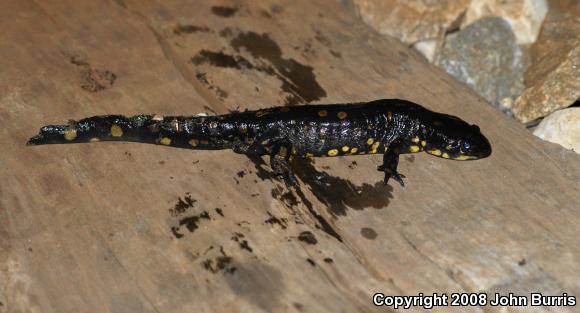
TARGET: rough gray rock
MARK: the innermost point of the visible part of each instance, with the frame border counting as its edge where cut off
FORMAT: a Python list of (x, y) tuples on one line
[(525, 16), (485, 56)]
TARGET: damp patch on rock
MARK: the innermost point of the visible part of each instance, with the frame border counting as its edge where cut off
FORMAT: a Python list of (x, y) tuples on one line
[(223, 11), (368, 233), (243, 243), (273, 220), (307, 237), (189, 29), (298, 80), (93, 80), (221, 263), (191, 223), (182, 205)]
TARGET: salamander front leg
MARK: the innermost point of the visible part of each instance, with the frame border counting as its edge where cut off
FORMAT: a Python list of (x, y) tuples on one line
[(280, 163), (390, 163)]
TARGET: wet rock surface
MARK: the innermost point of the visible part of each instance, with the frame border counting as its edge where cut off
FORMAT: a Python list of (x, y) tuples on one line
[(562, 127), (485, 56)]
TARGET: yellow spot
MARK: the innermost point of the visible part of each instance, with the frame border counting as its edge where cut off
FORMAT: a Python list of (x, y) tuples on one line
[(194, 142), (436, 152), (415, 139), (332, 152), (94, 139), (445, 155), (294, 151), (165, 141), (370, 141), (362, 152), (116, 131), (448, 147), (389, 116), (70, 134), (265, 142), (375, 147), (423, 143), (341, 115), (414, 149), (322, 113), (308, 154), (353, 150), (463, 158), (284, 109), (345, 149), (386, 148)]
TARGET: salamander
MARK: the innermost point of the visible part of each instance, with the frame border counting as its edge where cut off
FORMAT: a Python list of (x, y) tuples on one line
[(389, 126)]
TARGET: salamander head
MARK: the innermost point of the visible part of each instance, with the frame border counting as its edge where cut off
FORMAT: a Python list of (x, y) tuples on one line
[(450, 137)]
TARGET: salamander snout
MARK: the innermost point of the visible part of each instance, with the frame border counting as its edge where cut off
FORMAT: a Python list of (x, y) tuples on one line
[(475, 146), (467, 144)]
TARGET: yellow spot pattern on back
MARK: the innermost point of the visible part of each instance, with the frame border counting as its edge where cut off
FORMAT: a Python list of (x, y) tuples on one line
[(94, 139), (414, 149), (353, 150), (423, 143), (463, 158), (415, 139), (435, 152), (375, 147), (194, 142), (165, 141), (116, 131), (308, 154), (332, 152), (341, 115), (445, 155), (448, 147), (322, 113), (70, 134), (345, 149), (370, 141)]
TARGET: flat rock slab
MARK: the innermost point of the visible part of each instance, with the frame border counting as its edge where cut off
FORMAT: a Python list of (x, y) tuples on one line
[(124, 227)]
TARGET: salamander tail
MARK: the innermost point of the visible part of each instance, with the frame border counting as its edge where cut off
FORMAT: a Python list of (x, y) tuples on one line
[(174, 131), (139, 128)]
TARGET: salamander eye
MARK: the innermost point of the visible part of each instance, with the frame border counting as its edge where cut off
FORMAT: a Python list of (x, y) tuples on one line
[(465, 145)]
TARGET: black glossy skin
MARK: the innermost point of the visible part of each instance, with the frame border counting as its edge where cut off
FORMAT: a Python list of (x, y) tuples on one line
[(389, 127)]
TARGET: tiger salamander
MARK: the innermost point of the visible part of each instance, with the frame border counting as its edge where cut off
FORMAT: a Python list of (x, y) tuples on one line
[(390, 127)]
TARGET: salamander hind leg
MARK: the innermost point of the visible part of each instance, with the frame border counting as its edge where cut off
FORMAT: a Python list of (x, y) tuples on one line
[(280, 157), (390, 163)]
